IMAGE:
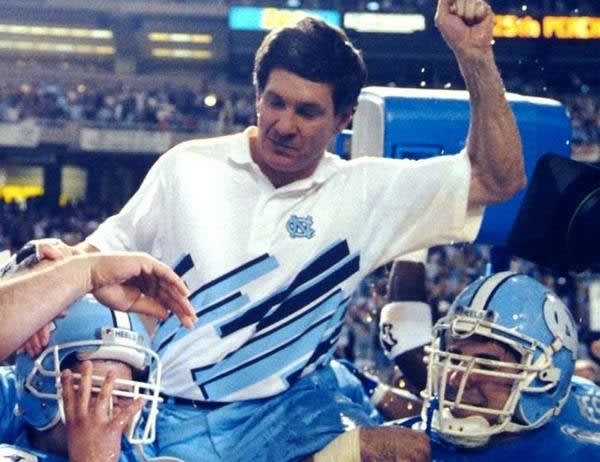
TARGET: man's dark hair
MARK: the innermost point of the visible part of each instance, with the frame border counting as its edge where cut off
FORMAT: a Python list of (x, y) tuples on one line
[(315, 51)]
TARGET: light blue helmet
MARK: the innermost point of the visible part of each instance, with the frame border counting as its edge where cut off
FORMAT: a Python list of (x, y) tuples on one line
[(531, 321), (89, 330)]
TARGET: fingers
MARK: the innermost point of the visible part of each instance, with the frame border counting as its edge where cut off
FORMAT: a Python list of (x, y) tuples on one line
[(155, 308), (140, 283), (146, 305), (125, 414), (471, 11), (68, 394), (162, 290), (85, 388), (168, 277), (49, 252), (53, 249), (37, 342), (103, 406)]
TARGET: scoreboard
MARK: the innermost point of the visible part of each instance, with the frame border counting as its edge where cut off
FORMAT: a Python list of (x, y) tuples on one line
[(393, 41)]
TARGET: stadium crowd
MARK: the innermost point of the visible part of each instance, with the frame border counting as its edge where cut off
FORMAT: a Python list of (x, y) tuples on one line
[(167, 107), (204, 109)]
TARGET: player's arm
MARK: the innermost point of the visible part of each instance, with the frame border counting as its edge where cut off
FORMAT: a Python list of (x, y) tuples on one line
[(85, 247), (123, 281), (493, 143), (377, 444), (405, 323)]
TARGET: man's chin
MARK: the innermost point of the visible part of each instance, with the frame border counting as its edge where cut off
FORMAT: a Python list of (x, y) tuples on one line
[(282, 161)]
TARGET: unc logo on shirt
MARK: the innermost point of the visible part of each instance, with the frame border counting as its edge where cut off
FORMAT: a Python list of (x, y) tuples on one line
[(300, 226)]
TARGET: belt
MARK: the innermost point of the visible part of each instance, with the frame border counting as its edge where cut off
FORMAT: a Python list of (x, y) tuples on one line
[(196, 403)]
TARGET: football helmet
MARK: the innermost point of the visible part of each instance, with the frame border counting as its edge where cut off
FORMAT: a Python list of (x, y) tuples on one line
[(529, 320), (88, 330)]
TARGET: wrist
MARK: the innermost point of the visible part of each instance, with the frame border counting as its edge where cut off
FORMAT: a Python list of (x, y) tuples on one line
[(81, 270), (476, 62)]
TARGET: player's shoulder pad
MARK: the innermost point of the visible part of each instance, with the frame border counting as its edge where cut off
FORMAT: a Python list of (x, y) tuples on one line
[(10, 453)]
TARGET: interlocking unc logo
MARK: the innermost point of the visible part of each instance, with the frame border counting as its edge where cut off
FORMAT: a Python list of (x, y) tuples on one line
[(300, 227)]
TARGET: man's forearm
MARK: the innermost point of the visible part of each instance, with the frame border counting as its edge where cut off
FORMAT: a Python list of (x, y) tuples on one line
[(85, 247), (31, 300), (494, 143)]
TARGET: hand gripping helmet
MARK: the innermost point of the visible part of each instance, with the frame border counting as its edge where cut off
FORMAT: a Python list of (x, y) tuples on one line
[(89, 330), (529, 320)]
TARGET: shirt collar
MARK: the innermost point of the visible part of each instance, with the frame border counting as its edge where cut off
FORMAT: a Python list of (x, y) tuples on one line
[(327, 167), (241, 154)]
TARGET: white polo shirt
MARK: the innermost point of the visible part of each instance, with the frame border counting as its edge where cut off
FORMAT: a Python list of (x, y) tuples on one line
[(271, 270)]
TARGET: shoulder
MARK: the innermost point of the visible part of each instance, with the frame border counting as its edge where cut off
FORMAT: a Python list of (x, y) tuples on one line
[(11, 424), (580, 385), (583, 404), (216, 146), (9, 452), (198, 152), (8, 386)]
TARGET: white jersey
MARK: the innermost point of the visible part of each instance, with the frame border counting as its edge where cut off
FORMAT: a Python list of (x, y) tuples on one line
[(271, 269)]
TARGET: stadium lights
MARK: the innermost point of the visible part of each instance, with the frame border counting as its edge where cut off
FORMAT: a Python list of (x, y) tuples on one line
[(181, 53), (170, 38), (55, 31), (178, 37), (53, 47)]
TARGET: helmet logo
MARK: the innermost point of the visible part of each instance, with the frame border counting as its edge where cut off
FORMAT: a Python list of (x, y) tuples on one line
[(484, 315), (113, 334), (559, 323)]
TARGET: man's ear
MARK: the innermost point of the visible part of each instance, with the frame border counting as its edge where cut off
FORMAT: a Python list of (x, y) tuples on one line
[(257, 95), (343, 119)]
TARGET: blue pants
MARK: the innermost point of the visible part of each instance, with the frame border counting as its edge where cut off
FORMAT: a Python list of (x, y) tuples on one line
[(287, 427)]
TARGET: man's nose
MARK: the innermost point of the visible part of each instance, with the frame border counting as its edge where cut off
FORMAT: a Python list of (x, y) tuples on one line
[(287, 123), (456, 375), (455, 378)]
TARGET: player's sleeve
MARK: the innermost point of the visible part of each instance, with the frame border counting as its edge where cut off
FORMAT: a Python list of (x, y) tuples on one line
[(10, 424)]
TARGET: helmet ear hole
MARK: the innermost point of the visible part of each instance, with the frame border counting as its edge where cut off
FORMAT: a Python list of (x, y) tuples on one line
[(69, 361), (140, 375), (550, 375)]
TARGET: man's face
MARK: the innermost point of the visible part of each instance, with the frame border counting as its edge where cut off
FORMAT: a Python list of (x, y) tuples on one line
[(100, 369), (480, 390), (296, 121)]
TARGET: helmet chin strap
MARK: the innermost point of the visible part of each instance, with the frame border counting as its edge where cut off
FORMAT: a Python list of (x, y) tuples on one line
[(467, 432)]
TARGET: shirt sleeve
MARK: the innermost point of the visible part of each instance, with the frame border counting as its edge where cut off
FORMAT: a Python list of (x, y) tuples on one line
[(420, 204)]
